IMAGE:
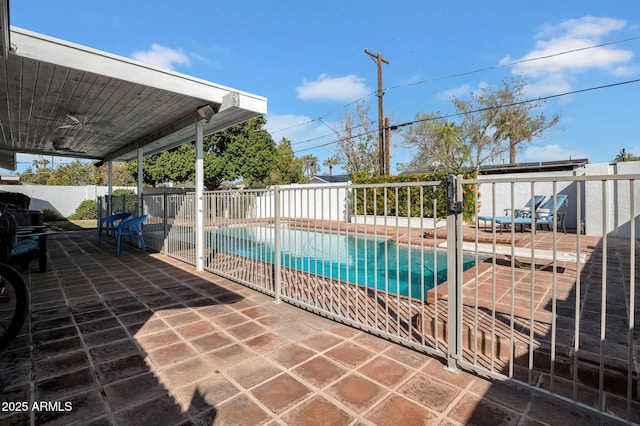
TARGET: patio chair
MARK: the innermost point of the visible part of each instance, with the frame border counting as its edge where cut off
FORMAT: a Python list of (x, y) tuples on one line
[(545, 215), (110, 223), (524, 211), (130, 228)]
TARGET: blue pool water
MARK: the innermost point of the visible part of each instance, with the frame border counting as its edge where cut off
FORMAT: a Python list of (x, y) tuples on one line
[(355, 258)]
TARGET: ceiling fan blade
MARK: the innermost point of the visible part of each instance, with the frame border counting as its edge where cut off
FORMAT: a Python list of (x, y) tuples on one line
[(75, 119)]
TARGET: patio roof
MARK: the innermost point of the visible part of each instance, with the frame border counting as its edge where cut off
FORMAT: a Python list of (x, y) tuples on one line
[(65, 99)]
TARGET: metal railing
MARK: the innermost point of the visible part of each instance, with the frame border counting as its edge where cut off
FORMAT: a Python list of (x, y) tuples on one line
[(553, 311)]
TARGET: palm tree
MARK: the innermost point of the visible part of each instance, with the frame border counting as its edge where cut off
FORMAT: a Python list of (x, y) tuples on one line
[(310, 162), (330, 162)]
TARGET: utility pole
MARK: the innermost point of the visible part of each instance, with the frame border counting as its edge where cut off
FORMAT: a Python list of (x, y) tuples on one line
[(383, 150)]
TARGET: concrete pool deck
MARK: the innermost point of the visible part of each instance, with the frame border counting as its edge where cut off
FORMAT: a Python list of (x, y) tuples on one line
[(145, 339)]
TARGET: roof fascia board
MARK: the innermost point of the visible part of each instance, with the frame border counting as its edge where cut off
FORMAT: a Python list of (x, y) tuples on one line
[(5, 39), (63, 53)]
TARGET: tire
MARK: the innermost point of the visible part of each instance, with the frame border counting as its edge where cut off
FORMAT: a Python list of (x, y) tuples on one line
[(14, 304)]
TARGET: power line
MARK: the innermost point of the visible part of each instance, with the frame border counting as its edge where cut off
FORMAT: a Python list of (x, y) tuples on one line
[(461, 74), (458, 114)]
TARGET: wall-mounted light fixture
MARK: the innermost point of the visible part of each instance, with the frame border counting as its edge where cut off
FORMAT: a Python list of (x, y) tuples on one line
[(205, 113)]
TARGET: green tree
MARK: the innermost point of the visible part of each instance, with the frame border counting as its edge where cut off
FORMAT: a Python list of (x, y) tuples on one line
[(76, 173), (514, 122), (38, 177), (310, 164), (330, 162), (494, 116), (286, 167), (440, 145), (358, 148), (242, 151)]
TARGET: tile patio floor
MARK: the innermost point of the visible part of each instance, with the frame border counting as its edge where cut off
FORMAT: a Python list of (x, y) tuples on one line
[(144, 339)]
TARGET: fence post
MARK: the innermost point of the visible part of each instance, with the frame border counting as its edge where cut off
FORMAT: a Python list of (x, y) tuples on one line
[(454, 272), (277, 283)]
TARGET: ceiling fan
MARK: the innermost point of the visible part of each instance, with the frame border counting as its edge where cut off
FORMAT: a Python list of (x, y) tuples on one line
[(77, 121), (59, 145)]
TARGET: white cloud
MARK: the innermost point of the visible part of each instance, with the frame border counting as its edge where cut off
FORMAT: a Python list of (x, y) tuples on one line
[(572, 34), (460, 91), (343, 89), (455, 92), (163, 57), (552, 152)]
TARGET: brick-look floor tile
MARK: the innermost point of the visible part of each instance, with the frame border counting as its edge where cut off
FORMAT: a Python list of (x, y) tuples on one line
[(149, 342), (246, 330), (472, 409), (42, 350), (121, 368), (107, 336), (264, 342), (317, 411), (211, 342), (75, 409), (319, 371), (133, 390), (241, 410), (396, 410), (182, 319), (280, 392), (349, 354), (407, 356), (429, 392), (356, 392), (57, 387), (185, 372), (435, 368), (195, 329), (55, 366), (113, 350), (385, 371), (291, 355), (253, 372), (198, 397), (171, 354), (153, 325), (162, 410), (229, 356)]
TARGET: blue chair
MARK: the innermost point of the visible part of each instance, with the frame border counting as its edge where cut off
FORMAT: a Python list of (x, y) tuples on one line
[(110, 223), (545, 215), (130, 227), (524, 211)]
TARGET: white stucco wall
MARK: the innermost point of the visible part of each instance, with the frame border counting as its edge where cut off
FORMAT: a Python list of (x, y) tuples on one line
[(615, 200), (64, 199)]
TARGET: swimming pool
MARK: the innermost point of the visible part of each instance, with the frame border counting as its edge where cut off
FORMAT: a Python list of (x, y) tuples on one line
[(375, 262)]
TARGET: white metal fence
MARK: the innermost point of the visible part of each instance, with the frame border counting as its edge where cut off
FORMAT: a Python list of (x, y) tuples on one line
[(520, 300)]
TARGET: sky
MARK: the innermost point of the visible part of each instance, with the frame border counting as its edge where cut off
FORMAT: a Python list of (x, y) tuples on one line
[(308, 59)]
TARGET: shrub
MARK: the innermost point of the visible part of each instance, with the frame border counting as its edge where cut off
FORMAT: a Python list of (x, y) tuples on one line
[(86, 210)]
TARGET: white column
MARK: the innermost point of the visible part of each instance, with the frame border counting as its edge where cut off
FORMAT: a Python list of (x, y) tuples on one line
[(199, 231), (140, 207), (109, 187)]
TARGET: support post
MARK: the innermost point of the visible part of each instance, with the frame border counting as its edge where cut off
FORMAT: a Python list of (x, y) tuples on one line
[(140, 175), (199, 228), (277, 282), (454, 272), (109, 187)]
